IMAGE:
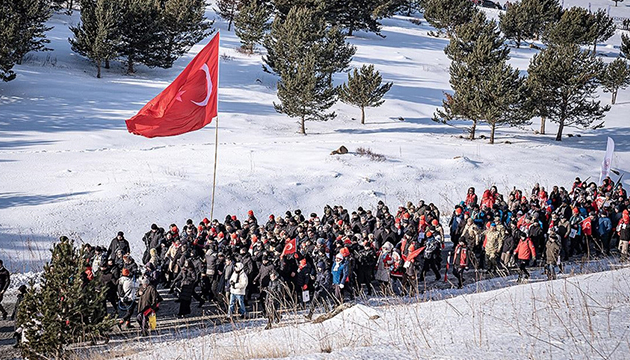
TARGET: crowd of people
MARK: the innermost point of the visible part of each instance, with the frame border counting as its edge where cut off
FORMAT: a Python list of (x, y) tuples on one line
[(316, 260)]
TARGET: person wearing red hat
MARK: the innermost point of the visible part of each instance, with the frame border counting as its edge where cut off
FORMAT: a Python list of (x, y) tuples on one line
[(623, 229)]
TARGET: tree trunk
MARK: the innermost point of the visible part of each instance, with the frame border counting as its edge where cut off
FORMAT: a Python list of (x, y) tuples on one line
[(614, 96), (302, 127), (560, 128), (595, 47), (98, 69), (518, 41), (232, 14), (130, 64), (106, 63), (542, 125), (493, 127), (351, 29), (472, 130), (363, 115)]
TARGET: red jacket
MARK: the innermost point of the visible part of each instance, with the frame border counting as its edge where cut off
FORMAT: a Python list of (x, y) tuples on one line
[(525, 249)]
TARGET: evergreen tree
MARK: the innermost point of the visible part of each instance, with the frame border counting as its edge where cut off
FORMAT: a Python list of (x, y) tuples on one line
[(282, 7), (68, 306), (617, 1), (519, 21), (547, 13), (141, 37), (30, 26), (448, 14), (602, 29), (354, 15), (305, 93), (305, 52), (502, 98), (183, 24), (228, 9), (364, 89), (568, 78), (484, 85), (8, 41), (574, 27), (624, 48), (250, 25), (94, 37), (615, 76)]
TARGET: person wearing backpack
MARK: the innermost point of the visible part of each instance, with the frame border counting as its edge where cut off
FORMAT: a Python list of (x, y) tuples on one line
[(127, 297), (431, 252)]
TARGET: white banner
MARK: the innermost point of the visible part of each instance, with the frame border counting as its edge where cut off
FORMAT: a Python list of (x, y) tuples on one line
[(610, 149)]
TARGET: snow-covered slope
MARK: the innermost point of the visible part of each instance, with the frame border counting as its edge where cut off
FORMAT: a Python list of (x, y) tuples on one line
[(583, 317), (68, 165)]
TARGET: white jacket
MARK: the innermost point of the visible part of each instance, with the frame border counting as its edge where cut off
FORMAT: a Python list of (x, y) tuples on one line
[(238, 281)]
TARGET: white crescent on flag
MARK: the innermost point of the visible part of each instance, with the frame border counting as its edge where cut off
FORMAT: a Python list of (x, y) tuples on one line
[(209, 83)]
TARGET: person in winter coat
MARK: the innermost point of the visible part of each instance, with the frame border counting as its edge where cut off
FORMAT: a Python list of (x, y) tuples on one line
[(460, 261), (118, 243), (383, 265), (604, 228), (524, 252), (552, 256), (340, 276), (275, 296), (623, 229), (127, 295), (366, 260), (303, 278), (509, 245), (238, 287), (432, 251), (148, 303), (493, 244), (186, 283), (5, 280), (151, 240), (323, 288), (471, 198)]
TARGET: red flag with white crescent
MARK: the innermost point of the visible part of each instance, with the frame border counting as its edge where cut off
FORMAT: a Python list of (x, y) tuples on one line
[(289, 248), (189, 103)]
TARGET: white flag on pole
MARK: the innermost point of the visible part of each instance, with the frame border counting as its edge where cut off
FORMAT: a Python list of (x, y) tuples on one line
[(610, 149)]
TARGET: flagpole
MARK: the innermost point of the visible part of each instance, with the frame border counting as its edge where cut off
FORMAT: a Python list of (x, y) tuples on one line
[(216, 138)]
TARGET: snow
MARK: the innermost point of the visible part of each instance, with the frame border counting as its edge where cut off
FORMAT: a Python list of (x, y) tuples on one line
[(579, 317), (69, 167)]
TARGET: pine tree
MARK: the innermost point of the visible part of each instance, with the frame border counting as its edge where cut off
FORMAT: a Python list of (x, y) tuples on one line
[(624, 48), (30, 26), (283, 7), (617, 1), (364, 89), (68, 306), (8, 41), (305, 52), (94, 37), (519, 21), (250, 25), (183, 24), (140, 30), (305, 93), (354, 15), (615, 76), (502, 96), (602, 29), (484, 85), (574, 27), (568, 79), (546, 12), (228, 9), (448, 14)]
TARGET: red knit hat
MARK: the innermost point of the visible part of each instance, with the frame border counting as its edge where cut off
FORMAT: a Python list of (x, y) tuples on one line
[(250, 212)]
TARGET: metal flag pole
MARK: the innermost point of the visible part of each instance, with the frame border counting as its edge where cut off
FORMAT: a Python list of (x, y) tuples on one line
[(216, 138)]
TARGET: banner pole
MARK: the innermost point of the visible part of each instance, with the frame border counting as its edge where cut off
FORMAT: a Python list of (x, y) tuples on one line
[(216, 139)]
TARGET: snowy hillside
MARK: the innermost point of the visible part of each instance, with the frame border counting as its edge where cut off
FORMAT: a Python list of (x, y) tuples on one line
[(69, 166), (583, 317)]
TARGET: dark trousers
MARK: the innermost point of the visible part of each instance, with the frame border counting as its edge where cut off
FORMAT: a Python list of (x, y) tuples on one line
[(430, 264), (459, 274), (522, 264)]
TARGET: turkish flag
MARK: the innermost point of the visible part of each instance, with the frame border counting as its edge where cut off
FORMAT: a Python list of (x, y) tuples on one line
[(412, 255), (188, 103), (289, 248)]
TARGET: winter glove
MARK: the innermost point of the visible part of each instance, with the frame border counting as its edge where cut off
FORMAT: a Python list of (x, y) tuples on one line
[(341, 286), (304, 287)]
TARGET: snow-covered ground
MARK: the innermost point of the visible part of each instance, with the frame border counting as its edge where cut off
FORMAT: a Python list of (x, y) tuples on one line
[(581, 317), (70, 167)]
